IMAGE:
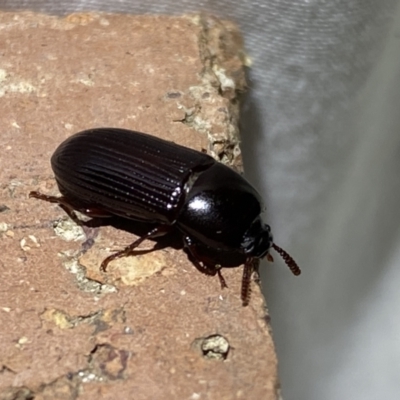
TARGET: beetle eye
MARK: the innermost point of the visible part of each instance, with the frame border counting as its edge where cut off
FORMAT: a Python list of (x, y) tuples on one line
[(258, 239)]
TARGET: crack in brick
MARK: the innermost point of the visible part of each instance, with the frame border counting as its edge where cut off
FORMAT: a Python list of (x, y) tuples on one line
[(104, 363)]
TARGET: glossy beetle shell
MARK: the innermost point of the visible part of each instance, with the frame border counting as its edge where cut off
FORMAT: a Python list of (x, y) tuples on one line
[(116, 172), (126, 173)]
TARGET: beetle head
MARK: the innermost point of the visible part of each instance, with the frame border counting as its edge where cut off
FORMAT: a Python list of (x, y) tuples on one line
[(258, 239)]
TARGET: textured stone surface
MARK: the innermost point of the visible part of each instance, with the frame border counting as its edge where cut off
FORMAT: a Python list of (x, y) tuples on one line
[(67, 330)]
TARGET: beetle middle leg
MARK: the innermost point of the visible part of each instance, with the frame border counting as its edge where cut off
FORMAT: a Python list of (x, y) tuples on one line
[(158, 231)]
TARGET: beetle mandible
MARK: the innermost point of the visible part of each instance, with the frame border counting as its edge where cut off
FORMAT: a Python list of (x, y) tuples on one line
[(117, 172)]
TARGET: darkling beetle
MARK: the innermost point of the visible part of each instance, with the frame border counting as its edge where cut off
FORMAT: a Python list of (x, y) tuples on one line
[(108, 172)]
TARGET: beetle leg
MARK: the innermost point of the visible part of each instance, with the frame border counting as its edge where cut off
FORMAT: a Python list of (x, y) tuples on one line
[(60, 200), (201, 265), (155, 232), (221, 279), (69, 208), (250, 266), (89, 227)]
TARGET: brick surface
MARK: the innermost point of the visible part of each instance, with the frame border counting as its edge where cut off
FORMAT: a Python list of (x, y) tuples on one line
[(67, 330)]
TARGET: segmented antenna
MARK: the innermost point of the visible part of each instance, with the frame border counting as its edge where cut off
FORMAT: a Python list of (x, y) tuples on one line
[(250, 266), (288, 260)]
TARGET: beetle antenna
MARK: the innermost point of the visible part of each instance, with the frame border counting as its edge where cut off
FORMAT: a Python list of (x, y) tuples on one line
[(288, 259), (250, 266)]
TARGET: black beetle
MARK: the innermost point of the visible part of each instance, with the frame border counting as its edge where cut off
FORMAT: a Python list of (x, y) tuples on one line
[(116, 172)]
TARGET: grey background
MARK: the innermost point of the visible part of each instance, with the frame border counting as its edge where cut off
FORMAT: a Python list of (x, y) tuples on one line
[(322, 143)]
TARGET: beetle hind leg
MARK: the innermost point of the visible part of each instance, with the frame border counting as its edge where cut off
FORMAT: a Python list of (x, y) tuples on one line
[(61, 201), (70, 208), (90, 228)]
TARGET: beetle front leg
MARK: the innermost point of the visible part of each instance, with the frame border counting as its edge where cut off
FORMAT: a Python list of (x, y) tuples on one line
[(158, 231), (201, 265)]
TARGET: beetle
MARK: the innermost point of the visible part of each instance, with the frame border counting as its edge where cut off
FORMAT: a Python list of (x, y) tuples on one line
[(107, 172)]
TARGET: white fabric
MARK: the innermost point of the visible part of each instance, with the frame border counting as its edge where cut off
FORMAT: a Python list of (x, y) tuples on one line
[(321, 133)]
